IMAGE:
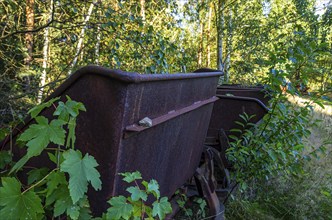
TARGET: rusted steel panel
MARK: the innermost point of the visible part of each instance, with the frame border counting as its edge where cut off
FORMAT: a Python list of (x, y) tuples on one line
[(233, 101), (115, 100), (226, 112), (244, 91)]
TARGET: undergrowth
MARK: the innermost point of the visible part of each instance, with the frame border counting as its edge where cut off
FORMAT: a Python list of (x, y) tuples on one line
[(303, 195), (61, 192)]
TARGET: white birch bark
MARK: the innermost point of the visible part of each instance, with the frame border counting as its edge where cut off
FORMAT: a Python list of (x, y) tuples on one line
[(80, 41), (142, 2), (220, 27), (200, 52), (45, 56), (208, 37), (97, 48), (229, 47)]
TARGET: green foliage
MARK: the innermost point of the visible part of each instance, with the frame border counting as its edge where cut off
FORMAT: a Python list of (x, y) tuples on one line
[(38, 108), (197, 210), (302, 196), (273, 147), (69, 109), (40, 135), (131, 177), (270, 42), (62, 191), (16, 204), (81, 171), (161, 208), (119, 208), (48, 192), (135, 206), (5, 158), (272, 159)]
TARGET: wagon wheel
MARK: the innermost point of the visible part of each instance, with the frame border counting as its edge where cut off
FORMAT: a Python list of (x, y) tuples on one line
[(206, 185)]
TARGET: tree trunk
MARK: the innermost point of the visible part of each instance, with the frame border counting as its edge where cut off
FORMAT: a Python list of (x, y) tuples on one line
[(229, 47), (200, 50), (80, 41), (30, 22), (208, 52), (45, 55), (220, 29), (142, 3), (97, 48)]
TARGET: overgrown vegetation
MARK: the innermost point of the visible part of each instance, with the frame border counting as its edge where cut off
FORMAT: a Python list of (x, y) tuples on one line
[(135, 206), (49, 193), (284, 44), (303, 195)]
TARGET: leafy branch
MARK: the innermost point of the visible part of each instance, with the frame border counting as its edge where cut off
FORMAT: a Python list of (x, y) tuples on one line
[(66, 196), (135, 205)]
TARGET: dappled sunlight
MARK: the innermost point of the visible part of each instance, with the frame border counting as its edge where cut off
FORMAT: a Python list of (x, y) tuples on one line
[(302, 102), (318, 113)]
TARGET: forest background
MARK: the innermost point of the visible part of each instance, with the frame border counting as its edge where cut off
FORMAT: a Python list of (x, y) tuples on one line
[(43, 41)]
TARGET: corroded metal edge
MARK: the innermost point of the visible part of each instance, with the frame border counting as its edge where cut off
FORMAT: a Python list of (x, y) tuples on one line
[(242, 98), (133, 77)]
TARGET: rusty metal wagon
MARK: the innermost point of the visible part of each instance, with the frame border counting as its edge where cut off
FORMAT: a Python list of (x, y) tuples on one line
[(169, 150), (233, 101)]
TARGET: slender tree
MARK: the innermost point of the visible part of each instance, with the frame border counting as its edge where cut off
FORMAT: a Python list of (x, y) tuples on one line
[(79, 46), (46, 48)]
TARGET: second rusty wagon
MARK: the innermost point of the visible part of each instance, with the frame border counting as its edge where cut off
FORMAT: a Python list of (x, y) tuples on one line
[(235, 100)]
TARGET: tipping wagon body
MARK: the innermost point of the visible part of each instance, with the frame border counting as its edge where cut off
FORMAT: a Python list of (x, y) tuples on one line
[(169, 151), (233, 101)]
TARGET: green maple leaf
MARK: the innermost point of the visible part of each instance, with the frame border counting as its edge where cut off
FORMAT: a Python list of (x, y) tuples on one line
[(37, 109), (153, 187), (85, 213), (5, 158), (81, 171), (19, 164), (18, 205), (54, 180), (161, 208), (131, 177), (41, 134), (37, 174), (62, 203), (119, 208), (70, 108), (75, 211), (137, 194), (71, 133)]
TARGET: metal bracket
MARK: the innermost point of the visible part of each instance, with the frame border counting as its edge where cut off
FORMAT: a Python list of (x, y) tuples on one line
[(136, 128)]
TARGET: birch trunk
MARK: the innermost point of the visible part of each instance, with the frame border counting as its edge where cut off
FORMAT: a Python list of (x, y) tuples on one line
[(30, 22), (80, 41), (45, 55), (142, 2), (97, 48), (208, 52), (229, 47), (200, 52), (220, 29)]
